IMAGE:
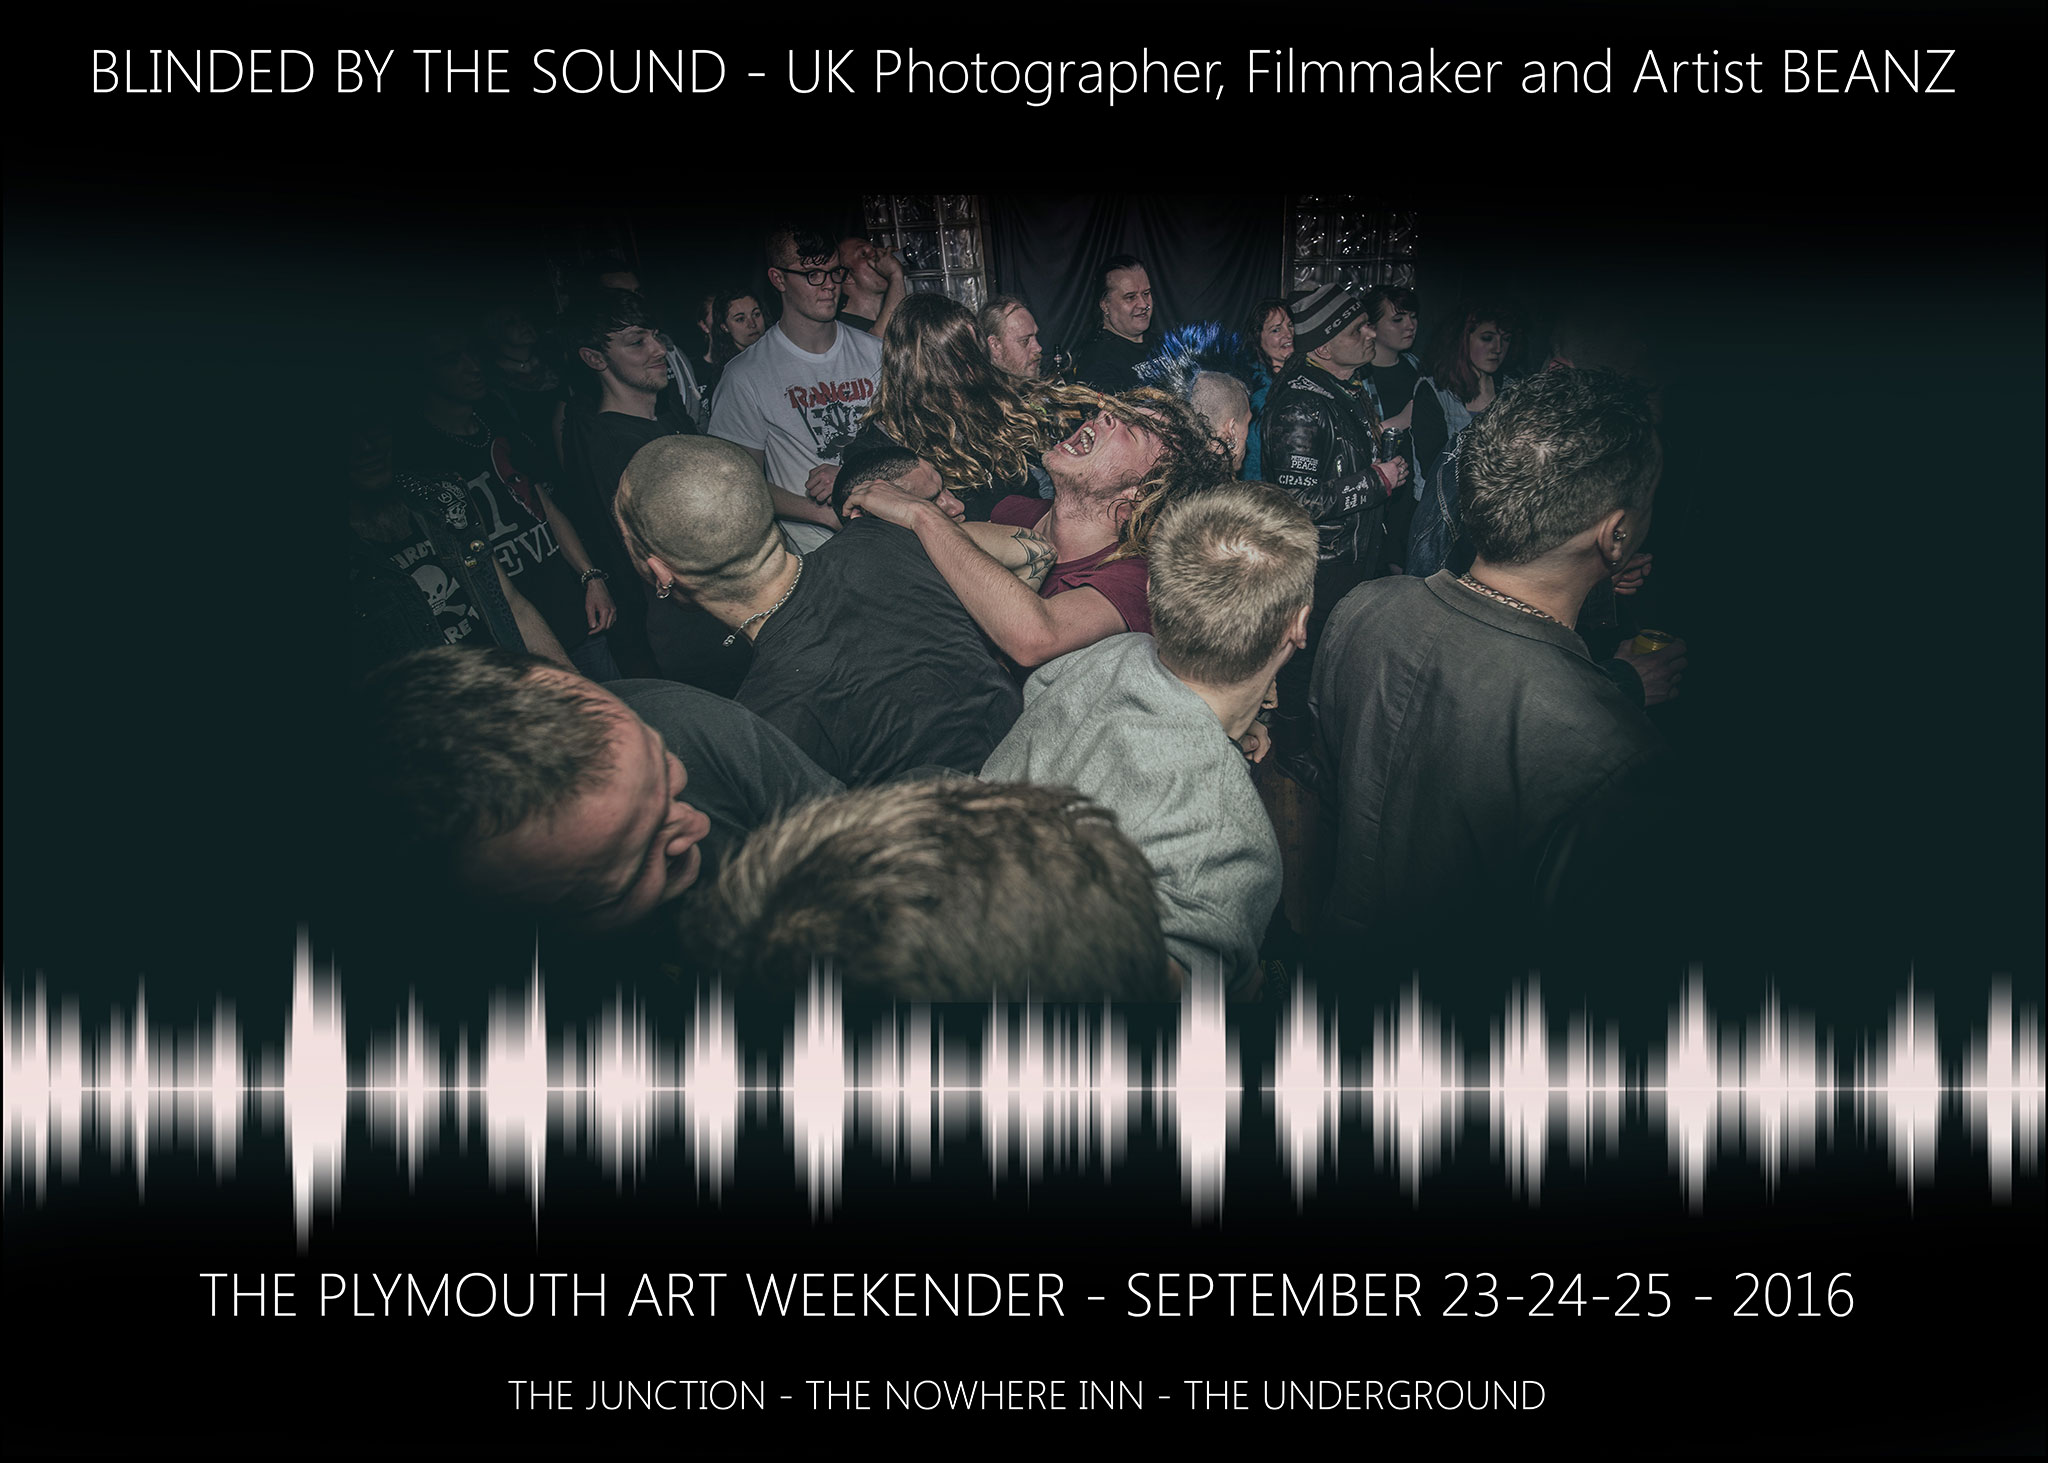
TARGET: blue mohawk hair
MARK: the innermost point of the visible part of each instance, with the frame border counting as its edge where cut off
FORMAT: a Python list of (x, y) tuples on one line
[(1188, 351)]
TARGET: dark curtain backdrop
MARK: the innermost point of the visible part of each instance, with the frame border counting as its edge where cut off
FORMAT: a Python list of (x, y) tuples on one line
[(1209, 256)]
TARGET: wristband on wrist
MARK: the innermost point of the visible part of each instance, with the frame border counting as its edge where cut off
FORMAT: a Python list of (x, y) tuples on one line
[(590, 574)]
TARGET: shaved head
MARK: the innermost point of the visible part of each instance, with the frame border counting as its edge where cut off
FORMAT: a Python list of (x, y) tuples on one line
[(1227, 407), (701, 506), (1220, 398)]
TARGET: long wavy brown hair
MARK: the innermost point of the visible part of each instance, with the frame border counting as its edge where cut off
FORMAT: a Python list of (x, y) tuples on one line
[(940, 398), (1188, 460)]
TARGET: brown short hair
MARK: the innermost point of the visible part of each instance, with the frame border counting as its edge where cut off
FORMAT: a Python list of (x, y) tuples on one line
[(454, 746), (951, 890), (1228, 570)]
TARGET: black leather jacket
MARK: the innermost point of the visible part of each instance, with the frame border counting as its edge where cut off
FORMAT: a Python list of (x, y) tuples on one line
[(1319, 442)]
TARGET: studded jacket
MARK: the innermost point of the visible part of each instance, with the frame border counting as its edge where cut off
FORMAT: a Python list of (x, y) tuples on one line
[(1319, 441)]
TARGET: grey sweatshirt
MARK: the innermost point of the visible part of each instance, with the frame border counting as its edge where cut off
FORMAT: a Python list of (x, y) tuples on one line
[(1112, 722)]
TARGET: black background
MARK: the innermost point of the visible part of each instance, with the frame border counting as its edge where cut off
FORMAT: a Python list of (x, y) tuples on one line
[(1847, 294)]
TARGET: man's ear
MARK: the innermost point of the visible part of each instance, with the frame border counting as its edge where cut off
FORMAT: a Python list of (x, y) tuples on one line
[(1297, 628), (1611, 536), (593, 359)]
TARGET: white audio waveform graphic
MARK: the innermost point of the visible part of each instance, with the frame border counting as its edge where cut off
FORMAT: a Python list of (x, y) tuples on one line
[(710, 1078), (814, 1097), (1045, 1088), (1308, 1091), (1417, 1080), (1899, 1086), (2004, 1086), (1200, 1095), (1532, 1085), (315, 1089), (1055, 1085), (1770, 1083)]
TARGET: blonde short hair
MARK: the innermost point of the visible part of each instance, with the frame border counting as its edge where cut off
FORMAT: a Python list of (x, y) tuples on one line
[(1228, 570)]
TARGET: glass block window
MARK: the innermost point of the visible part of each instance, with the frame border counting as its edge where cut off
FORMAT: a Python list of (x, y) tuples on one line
[(938, 236), (1343, 237)]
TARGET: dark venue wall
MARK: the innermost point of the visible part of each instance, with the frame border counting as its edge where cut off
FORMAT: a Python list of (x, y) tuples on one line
[(1208, 256), (1851, 351)]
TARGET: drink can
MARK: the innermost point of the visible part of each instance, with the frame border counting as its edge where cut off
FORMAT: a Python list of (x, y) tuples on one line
[(1648, 640)]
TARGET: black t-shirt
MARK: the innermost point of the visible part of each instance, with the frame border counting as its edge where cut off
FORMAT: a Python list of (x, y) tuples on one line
[(1395, 385), (597, 445), (741, 772), (532, 398), (871, 441), (1109, 362), (874, 668), (686, 643), (497, 468)]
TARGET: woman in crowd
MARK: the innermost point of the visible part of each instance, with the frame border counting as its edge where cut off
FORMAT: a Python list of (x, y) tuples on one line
[(1463, 376), (940, 398), (736, 323), (1391, 374), (1269, 332)]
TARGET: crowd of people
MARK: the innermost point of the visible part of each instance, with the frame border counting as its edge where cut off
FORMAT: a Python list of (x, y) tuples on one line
[(852, 632)]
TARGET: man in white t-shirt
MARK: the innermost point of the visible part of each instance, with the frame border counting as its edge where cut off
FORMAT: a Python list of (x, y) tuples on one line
[(795, 397)]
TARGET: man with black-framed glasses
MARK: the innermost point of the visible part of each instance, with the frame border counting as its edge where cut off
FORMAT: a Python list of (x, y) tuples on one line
[(795, 398)]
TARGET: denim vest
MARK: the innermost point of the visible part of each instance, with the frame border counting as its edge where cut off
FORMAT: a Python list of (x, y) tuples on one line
[(1434, 530)]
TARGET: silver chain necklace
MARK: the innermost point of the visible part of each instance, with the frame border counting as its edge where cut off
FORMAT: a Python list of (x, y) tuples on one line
[(772, 608)]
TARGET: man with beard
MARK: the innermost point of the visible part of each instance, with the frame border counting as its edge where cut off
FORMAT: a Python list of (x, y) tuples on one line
[(1009, 332), (1111, 479)]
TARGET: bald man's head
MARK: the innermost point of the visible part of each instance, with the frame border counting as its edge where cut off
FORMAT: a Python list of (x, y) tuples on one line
[(701, 507), (1227, 407)]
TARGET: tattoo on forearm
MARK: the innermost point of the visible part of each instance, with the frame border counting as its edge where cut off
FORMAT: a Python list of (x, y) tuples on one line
[(1038, 556)]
